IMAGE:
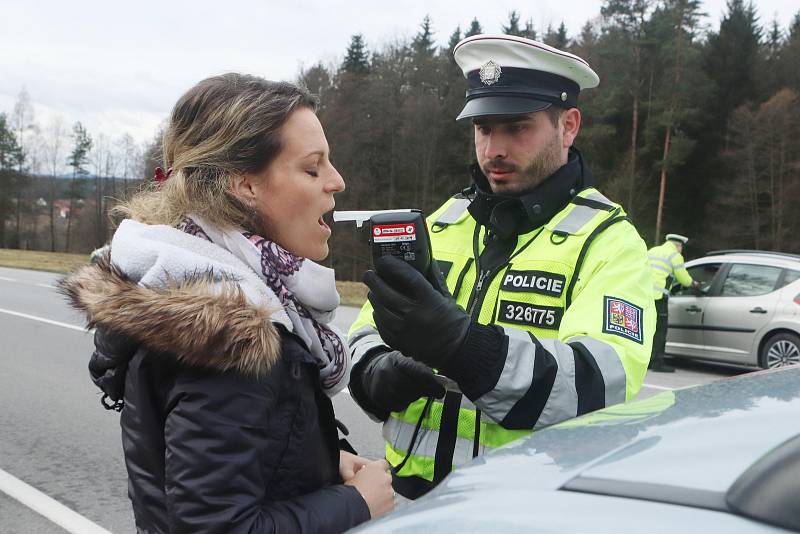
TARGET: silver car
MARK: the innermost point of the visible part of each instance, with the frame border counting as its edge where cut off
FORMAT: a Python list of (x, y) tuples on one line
[(722, 457), (746, 311)]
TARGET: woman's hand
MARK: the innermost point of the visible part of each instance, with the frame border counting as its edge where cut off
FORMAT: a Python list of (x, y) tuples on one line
[(349, 465), (374, 483)]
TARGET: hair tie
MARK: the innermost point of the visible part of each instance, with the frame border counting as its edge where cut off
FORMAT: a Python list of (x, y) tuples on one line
[(160, 176)]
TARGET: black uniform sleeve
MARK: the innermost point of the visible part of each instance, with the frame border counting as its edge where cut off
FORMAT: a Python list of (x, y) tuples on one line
[(215, 433)]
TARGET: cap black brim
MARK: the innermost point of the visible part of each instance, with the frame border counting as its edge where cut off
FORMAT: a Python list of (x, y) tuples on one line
[(501, 105)]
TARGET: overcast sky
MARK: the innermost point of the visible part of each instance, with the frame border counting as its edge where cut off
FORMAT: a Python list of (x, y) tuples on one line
[(119, 66)]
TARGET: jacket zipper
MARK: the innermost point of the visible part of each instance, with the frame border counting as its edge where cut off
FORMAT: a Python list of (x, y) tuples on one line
[(478, 292)]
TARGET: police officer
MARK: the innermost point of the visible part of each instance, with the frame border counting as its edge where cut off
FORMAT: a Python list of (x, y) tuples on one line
[(667, 266), (544, 308)]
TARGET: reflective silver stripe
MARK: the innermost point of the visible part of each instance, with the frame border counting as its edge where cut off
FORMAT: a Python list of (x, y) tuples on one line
[(364, 345), (597, 196), (399, 434), (453, 211), (515, 379), (661, 290), (669, 258), (660, 268), (659, 259), (679, 266), (610, 366), (576, 219), (562, 403)]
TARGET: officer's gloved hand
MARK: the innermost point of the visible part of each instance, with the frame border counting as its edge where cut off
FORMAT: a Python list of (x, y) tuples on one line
[(389, 382), (414, 317)]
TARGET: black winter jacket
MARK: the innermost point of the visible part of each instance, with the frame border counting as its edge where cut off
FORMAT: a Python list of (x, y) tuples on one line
[(214, 440)]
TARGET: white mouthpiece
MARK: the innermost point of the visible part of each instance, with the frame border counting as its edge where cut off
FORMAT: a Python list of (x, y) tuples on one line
[(360, 216)]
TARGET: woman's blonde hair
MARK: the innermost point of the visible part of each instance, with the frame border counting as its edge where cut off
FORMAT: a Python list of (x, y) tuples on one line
[(223, 126)]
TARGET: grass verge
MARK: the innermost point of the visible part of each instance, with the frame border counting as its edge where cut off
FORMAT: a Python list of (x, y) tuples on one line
[(352, 293)]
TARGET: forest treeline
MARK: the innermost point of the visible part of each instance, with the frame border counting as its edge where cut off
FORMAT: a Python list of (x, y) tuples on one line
[(706, 120)]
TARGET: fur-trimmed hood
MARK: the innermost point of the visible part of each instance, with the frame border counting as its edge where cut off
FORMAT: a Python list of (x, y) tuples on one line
[(205, 319)]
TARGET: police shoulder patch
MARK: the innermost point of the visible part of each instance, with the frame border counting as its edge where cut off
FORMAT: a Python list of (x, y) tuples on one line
[(622, 318)]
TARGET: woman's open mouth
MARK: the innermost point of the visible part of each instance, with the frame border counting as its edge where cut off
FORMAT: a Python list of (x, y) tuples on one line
[(326, 220)]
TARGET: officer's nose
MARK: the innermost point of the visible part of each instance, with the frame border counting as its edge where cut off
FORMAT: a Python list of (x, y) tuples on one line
[(495, 147)]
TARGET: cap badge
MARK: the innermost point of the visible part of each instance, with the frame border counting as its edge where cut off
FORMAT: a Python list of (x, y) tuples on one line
[(564, 97), (490, 73)]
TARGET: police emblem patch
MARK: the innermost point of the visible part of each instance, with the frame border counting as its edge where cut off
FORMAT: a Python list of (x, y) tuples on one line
[(623, 319), (490, 73)]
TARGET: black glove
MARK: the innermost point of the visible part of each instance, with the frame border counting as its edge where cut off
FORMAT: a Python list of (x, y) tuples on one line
[(413, 316), (389, 382), (109, 363)]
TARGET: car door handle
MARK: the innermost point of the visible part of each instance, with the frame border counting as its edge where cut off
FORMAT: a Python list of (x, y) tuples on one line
[(693, 309), (758, 309)]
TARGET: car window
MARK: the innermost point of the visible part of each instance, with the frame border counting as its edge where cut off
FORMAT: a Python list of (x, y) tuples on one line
[(702, 273), (745, 280), (789, 276)]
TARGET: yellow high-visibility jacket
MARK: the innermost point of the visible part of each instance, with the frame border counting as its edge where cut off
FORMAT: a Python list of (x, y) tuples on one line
[(667, 266), (574, 318)]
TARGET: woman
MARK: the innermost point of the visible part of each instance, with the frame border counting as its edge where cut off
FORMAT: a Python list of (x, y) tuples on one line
[(227, 424)]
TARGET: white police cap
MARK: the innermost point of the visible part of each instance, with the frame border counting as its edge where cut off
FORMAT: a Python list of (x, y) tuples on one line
[(677, 237), (509, 75)]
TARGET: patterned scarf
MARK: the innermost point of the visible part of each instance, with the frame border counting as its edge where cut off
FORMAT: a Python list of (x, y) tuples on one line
[(306, 290)]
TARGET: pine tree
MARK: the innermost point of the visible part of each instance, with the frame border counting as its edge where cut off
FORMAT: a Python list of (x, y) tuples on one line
[(790, 56), (557, 38), (78, 158), (423, 44), (732, 62), (474, 28), (528, 32), (356, 58), (628, 19), (10, 152), (682, 89), (512, 28), (454, 39), (317, 79)]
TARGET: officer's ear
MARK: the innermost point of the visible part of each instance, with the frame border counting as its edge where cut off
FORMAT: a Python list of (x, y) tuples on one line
[(571, 123)]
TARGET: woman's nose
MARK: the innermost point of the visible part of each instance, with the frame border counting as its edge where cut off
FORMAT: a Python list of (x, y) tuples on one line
[(336, 184)]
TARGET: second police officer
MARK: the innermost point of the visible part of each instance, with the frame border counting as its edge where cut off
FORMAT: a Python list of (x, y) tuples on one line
[(551, 314), (668, 268)]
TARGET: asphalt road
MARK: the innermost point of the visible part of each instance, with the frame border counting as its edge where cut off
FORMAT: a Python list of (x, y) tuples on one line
[(56, 438)]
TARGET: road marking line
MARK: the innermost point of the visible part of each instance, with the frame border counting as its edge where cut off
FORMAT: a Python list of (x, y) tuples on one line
[(48, 286), (47, 506), (7, 279), (43, 320), (665, 388)]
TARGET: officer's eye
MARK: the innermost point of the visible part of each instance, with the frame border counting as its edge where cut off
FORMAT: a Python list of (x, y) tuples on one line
[(483, 129), (516, 128)]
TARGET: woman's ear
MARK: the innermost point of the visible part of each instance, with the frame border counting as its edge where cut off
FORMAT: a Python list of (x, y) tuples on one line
[(242, 187)]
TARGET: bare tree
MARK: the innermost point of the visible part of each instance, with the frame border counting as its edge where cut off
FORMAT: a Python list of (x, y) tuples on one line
[(22, 120), (54, 149)]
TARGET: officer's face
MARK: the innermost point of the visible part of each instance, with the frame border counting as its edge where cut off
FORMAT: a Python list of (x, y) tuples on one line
[(517, 153)]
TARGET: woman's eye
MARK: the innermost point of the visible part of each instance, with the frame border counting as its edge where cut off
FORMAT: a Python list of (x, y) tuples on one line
[(312, 172)]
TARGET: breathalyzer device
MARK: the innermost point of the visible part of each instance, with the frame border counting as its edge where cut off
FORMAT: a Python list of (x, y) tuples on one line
[(400, 233)]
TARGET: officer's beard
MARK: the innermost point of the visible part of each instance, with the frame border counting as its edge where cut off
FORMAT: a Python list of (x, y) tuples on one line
[(538, 169)]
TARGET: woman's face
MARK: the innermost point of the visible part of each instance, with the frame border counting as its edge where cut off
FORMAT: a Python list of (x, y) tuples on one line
[(293, 193)]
